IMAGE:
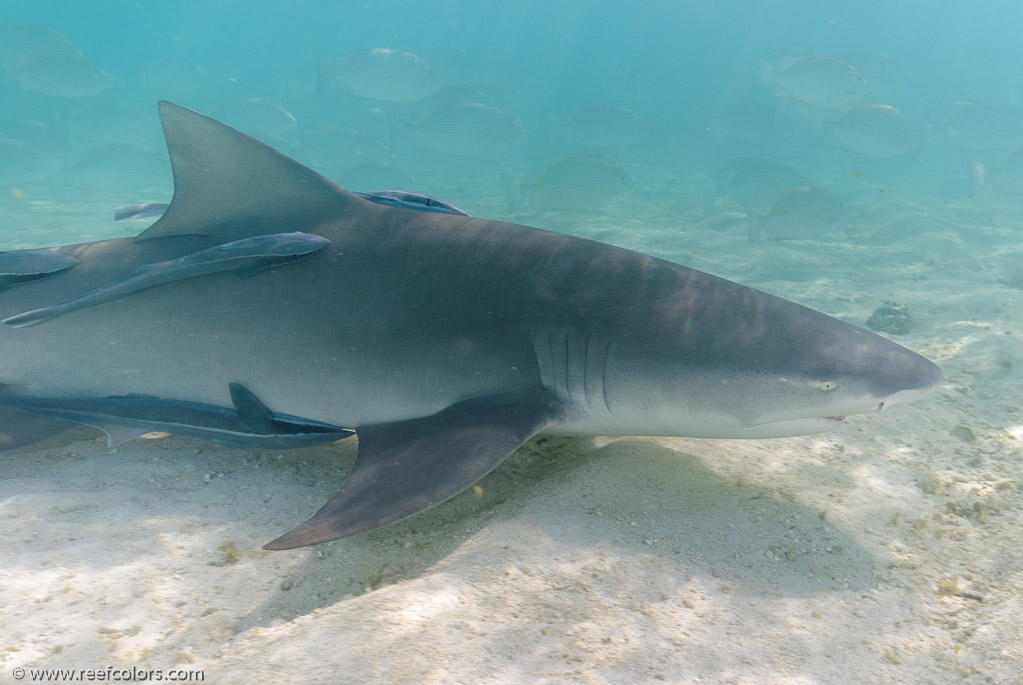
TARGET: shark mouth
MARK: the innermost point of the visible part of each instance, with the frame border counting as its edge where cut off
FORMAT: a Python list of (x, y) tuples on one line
[(786, 428)]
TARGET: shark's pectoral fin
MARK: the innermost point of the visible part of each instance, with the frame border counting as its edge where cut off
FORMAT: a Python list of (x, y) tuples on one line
[(18, 429), (118, 434), (406, 467)]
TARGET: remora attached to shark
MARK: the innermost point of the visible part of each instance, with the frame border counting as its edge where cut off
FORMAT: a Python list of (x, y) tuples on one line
[(444, 341)]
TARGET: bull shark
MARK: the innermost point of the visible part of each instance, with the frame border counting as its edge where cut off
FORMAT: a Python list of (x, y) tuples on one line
[(444, 341)]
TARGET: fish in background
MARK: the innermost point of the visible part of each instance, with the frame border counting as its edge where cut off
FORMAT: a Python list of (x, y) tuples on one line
[(1006, 178), (583, 182), (978, 127), (119, 168), (62, 76), (821, 80), (745, 122), (600, 128), (936, 115), (940, 172), (1010, 269), (755, 184), (875, 131), (379, 74), (173, 76), (44, 137), (254, 116), (332, 151), (468, 129), (884, 75), (374, 176), (21, 43), (102, 123), (22, 165), (802, 213), (451, 95)]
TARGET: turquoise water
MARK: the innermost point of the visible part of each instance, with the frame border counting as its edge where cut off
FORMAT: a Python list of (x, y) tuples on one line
[(663, 95)]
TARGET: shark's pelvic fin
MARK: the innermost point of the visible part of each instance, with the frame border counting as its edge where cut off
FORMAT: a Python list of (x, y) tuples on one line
[(18, 429)]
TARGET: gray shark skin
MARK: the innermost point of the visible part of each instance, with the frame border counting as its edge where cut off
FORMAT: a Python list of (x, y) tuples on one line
[(444, 341)]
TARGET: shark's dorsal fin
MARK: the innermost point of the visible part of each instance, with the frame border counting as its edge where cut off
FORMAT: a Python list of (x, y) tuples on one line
[(231, 186)]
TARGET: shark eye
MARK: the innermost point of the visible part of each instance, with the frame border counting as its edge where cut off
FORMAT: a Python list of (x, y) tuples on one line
[(827, 385)]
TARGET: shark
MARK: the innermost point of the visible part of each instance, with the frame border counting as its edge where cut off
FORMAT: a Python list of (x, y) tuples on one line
[(443, 341)]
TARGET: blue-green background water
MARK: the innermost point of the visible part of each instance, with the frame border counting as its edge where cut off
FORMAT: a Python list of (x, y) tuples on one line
[(705, 83)]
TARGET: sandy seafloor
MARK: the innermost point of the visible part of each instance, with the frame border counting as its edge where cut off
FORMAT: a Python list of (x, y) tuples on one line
[(887, 551)]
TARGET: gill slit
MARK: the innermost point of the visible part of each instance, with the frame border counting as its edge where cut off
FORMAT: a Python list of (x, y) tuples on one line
[(568, 365), (586, 372), (603, 378), (544, 360)]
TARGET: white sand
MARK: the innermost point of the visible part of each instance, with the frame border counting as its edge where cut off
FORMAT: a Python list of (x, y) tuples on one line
[(887, 551)]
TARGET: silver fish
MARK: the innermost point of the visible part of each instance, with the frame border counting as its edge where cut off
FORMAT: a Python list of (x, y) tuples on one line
[(807, 212), (821, 80), (756, 184), (883, 74), (602, 128), (119, 167), (468, 129), (62, 76), (583, 182), (875, 131), (255, 116), (379, 74), (982, 128), (21, 43), (376, 175)]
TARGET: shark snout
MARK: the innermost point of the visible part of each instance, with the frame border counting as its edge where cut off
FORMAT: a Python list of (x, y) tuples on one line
[(928, 378)]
